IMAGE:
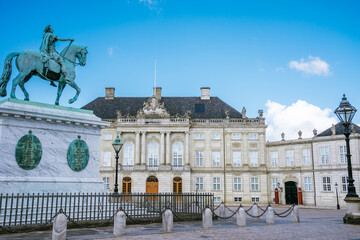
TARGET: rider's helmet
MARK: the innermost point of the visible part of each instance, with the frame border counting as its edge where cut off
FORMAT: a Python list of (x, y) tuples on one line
[(48, 28)]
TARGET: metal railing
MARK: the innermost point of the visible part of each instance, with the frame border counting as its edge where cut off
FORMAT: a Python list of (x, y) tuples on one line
[(33, 209)]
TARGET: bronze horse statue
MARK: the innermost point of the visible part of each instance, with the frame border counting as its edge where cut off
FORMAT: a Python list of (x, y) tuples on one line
[(30, 63)]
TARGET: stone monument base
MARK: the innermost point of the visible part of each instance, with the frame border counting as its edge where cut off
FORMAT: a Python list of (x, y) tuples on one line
[(353, 210), (56, 128)]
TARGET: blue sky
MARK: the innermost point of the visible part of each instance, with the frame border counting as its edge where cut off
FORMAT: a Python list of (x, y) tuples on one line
[(290, 58)]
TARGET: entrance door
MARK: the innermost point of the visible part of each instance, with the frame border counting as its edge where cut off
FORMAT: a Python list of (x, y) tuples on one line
[(177, 186), (291, 196), (126, 187), (152, 185)]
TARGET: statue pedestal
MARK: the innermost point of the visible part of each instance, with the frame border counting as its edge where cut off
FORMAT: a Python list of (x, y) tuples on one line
[(352, 215), (56, 128)]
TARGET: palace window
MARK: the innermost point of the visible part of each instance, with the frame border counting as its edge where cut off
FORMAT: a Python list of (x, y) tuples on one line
[(274, 159), (236, 136), (128, 158), (106, 158), (306, 157), (253, 159), (106, 181), (237, 183), (237, 199), (236, 158), (344, 184), (153, 154), (255, 199), (274, 183), (289, 158), (216, 183), (253, 136), (254, 184), (199, 136), (342, 153), (308, 184), (324, 152), (199, 183), (215, 136), (216, 158), (199, 155), (217, 199), (177, 154), (326, 184)]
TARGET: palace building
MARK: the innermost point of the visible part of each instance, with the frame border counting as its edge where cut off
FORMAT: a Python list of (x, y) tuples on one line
[(201, 144)]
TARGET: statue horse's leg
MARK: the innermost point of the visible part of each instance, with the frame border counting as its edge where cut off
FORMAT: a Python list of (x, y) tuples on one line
[(20, 79), (61, 87), (75, 86)]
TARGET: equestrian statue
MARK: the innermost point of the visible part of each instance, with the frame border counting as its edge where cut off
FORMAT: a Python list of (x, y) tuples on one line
[(47, 64)]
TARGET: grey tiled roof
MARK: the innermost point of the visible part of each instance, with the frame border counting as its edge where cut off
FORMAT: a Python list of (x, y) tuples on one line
[(339, 130), (214, 108)]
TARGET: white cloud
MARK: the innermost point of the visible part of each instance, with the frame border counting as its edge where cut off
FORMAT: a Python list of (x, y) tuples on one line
[(315, 66), (279, 69), (111, 51), (150, 3), (299, 116)]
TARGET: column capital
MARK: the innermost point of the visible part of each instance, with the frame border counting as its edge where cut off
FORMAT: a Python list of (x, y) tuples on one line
[(143, 132), (168, 132), (137, 132), (162, 132), (187, 132)]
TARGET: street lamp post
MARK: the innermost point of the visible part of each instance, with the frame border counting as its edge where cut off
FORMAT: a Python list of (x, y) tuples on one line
[(345, 112), (337, 196), (117, 145)]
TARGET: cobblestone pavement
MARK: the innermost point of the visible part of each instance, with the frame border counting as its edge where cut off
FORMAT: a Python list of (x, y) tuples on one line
[(314, 224)]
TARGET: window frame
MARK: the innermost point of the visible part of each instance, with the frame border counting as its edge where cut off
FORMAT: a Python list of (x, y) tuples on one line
[(216, 184), (326, 183), (307, 184), (177, 154), (199, 158), (254, 185), (107, 157), (237, 183), (216, 159), (236, 161), (324, 155), (306, 157), (274, 161), (199, 183), (252, 161), (290, 162)]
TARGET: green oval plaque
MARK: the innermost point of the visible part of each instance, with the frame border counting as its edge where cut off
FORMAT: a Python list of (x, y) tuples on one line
[(28, 151), (78, 155)]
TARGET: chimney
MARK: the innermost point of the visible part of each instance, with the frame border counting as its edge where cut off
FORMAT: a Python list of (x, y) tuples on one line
[(157, 92), (109, 93), (205, 93)]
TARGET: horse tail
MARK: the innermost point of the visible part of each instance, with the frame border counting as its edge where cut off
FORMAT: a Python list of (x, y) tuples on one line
[(5, 77)]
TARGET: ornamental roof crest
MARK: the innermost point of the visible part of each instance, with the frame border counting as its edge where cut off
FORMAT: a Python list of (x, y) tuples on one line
[(153, 107)]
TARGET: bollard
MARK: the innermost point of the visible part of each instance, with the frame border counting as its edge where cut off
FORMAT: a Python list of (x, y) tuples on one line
[(119, 223), (222, 210), (241, 218), (295, 218), (270, 218), (59, 227), (167, 221), (255, 211), (207, 219)]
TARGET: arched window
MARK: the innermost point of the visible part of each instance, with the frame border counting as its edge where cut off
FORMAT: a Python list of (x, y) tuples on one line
[(177, 152), (128, 158), (153, 154)]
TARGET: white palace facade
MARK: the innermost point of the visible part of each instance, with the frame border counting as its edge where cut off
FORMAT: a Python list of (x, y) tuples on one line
[(201, 144)]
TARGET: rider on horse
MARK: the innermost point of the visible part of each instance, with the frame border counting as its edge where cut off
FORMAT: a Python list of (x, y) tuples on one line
[(48, 50)]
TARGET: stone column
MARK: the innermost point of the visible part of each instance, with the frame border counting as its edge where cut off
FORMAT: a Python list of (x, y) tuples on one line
[(261, 153), (162, 148), (241, 218), (207, 219), (295, 215), (143, 148), (228, 153), (167, 221), (59, 227), (137, 153), (168, 160), (187, 148), (119, 224), (270, 219)]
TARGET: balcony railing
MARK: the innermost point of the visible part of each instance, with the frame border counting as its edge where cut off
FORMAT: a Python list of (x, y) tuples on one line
[(153, 167), (128, 167), (177, 167)]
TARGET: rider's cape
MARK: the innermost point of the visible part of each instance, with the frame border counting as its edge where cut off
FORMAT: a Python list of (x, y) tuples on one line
[(45, 43)]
